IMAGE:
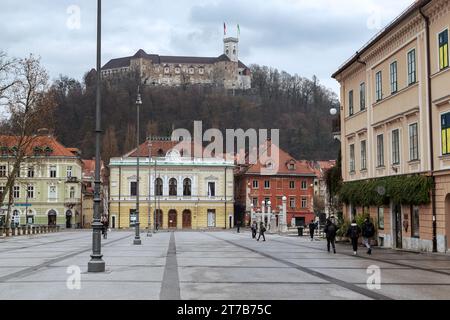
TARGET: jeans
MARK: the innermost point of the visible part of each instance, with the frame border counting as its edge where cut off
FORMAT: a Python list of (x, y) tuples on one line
[(366, 242), (261, 234)]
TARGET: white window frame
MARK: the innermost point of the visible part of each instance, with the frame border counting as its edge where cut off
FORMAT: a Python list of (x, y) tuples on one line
[(266, 184), (304, 185), (415, 66), (16, 192), (398, 145), (50, 171), (304, 203), (55, 198)]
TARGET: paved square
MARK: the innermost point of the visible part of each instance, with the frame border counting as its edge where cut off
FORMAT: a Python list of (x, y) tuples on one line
[(212, 265)]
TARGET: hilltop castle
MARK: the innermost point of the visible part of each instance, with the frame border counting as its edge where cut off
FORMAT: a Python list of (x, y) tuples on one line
[(225, 70)]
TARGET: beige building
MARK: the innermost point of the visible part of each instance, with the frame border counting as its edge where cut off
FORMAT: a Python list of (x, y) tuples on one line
[(395, 121), (225, 70), (47, 190), (175, 191)]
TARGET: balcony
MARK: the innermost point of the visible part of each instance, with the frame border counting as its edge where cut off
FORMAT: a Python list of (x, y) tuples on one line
[(336, 127), (72, 180), (71, 202)]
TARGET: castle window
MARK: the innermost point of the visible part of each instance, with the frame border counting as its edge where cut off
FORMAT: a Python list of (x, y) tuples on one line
[(177, 70), (234, 51), (227, 51), (166, 70), (201, 70), (191, 70)]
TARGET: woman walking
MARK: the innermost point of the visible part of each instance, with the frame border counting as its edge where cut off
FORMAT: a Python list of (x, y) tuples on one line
[(353, 232)]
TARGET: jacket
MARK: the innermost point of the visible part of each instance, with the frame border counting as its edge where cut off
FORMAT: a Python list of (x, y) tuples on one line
[(330, 230), (354, 231)]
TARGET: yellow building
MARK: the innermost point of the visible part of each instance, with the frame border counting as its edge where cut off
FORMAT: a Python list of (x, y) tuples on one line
[(395, 122), (175, 191)]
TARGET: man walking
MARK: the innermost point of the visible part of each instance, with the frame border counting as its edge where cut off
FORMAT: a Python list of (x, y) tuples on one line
[(330, 230), (353, 232), (312, 226), (262, 229), (238, 224), (368, 231)]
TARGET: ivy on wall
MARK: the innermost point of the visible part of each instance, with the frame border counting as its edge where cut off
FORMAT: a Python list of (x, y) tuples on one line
[(412, 190)]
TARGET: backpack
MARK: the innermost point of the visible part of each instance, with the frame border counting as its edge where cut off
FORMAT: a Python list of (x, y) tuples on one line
[(331, 229)]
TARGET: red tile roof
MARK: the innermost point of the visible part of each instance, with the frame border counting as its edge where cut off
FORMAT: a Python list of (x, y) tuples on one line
[(159, 148), (301, 167), (58, 150)]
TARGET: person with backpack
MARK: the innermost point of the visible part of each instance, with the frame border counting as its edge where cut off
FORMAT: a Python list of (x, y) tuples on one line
[(312, 226), (330, 230), (368, 231), (353, 233), (262, 229)]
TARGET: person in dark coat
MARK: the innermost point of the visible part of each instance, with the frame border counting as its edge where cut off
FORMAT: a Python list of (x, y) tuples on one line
[(353, 233), (254, 229), (238, 225), (368, 231), (262, 229), (312, 226), (330, 230), (104, 221)]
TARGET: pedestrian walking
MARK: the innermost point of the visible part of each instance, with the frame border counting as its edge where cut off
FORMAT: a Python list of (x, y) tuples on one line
[(330, 231), (238, 224), (254, 228), (262, 229), (312, 226), (353, 232), (104, 221), (368, 231)]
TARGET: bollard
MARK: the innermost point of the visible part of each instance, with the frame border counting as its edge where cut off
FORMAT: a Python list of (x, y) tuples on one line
[(29, 230), (1, 231)]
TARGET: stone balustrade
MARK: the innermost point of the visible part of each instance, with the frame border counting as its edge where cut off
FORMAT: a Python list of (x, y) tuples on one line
[(27, 230)]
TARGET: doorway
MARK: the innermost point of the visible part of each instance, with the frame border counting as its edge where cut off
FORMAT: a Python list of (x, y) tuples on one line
[(397, 216), (68, 219), (172, 219), (211, 218), (187, 221), (52, 218)]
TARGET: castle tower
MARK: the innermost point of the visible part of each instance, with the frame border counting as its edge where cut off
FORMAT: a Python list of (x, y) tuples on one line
[(231, 48)]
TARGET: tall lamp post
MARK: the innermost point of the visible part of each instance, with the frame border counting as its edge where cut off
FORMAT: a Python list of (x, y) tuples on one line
[(137, 238), (96, 264)]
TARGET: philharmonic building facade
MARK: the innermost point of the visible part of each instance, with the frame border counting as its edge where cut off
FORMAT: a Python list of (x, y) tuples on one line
[(395, 129), (176, 191)]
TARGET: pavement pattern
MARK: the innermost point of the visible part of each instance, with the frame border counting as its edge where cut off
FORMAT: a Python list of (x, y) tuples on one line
[(217, 265)]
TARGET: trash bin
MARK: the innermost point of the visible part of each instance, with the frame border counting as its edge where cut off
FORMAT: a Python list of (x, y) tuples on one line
[(300, 231)]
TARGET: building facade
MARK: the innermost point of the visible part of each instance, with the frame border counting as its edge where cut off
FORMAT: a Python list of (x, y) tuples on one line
[(225, 70), (395, 112), (47, 190), (176, 191), (256, 191)]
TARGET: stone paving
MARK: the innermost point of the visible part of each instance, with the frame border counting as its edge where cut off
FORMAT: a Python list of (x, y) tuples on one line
[(212, 265)]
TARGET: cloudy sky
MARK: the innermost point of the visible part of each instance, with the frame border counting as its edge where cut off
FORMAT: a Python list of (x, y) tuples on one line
[(299, 36)]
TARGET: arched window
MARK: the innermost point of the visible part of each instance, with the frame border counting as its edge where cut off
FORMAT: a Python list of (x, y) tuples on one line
[(160, 153), (173, 187), (159, 187), (187, 187)]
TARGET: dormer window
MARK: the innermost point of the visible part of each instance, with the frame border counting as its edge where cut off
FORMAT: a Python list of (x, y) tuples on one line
[(191, 70), (269, 165), (291, 166), (166, 69)]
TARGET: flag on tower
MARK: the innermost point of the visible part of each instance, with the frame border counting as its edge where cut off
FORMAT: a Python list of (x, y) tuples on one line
[(224, 29)]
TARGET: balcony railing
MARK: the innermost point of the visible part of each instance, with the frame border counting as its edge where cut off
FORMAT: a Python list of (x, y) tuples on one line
[(72, 180)]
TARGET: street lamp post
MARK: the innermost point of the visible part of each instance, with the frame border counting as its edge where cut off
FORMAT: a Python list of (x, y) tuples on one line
[(137, 238), (96, 264), (269, 214)]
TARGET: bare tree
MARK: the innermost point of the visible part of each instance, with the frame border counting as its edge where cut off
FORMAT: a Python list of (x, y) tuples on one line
[(30, 107), (109, 148), (7, 73)]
